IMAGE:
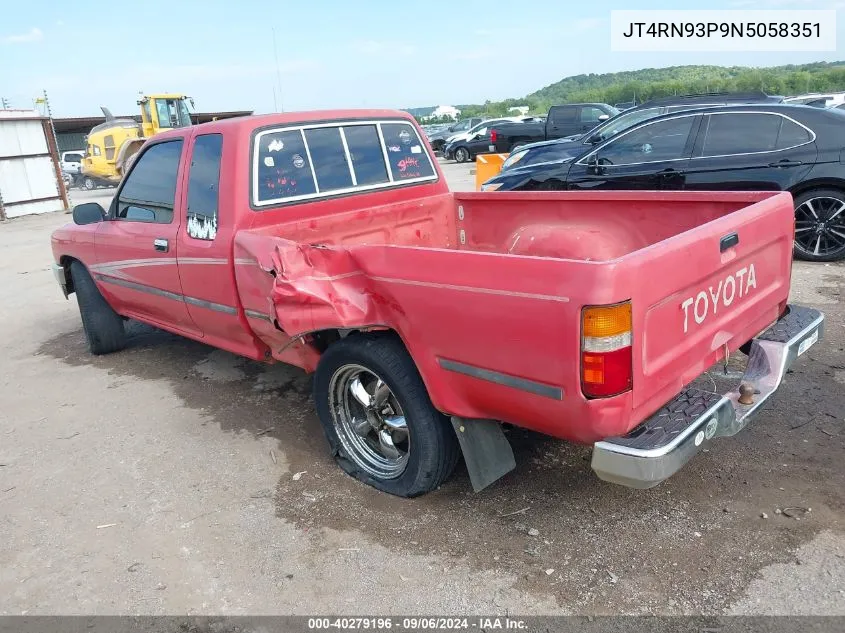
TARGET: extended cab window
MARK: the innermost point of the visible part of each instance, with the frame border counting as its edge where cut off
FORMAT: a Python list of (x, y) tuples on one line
[(203, 187), (149, 191), (405, 152), (283, 168), (296, 164), (329, 158), (366, 153)]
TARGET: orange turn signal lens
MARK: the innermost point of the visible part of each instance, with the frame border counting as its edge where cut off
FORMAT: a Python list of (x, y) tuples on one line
[(602, 321)]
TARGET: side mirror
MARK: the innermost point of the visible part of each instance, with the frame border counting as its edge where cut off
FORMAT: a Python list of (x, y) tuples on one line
[(593, 164), (88, 213), (594, 139), (604, 117)]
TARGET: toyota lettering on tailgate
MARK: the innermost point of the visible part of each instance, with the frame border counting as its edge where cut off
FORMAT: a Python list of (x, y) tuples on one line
[(734, 286)]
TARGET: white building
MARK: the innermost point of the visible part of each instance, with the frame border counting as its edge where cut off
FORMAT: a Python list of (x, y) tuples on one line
[(520, 110), (445, 110)]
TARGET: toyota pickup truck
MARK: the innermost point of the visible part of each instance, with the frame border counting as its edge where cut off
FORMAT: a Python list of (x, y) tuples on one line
[(431, 319)]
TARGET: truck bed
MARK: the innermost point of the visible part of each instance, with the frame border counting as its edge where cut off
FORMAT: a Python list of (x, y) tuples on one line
[(497, 281)]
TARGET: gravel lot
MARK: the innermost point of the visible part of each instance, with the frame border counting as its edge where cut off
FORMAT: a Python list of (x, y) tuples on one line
[(160, 480)]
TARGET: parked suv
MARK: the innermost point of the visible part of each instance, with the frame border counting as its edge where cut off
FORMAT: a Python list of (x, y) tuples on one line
[(742, 147)]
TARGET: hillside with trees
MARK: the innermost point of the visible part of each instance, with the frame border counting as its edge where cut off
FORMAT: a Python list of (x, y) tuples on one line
[(649, 83)]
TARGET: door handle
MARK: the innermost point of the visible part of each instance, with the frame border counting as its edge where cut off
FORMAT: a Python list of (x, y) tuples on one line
[(668, 172), (160, 244), (786, 163)]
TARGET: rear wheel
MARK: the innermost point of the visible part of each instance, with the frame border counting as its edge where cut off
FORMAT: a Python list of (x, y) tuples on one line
[(103, 326), (462, 155), (378, 418), (820, 225), (89, 183)]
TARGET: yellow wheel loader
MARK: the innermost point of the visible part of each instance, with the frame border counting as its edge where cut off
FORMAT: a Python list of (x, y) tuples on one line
[(112, 145)]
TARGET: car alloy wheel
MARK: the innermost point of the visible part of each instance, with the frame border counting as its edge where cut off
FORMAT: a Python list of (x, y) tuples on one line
[(462, 155), (369, 421), (820, 227)]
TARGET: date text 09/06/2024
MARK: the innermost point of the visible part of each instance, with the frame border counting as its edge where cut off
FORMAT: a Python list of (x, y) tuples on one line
[(416, 623)]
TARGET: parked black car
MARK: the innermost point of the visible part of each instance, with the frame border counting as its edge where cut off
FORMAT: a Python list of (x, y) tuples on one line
[(438, 139), (665, 105), (798, 149), (562, 120), (571, 146)]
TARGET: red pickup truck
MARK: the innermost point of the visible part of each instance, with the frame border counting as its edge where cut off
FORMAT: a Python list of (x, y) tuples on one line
[(330, 240)]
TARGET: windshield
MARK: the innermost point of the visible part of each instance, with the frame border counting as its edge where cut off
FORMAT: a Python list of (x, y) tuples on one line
[(173, 113), (621, 122)]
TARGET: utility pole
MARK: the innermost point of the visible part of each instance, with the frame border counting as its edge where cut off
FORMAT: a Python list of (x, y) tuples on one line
[(5, 102), (278, 73)]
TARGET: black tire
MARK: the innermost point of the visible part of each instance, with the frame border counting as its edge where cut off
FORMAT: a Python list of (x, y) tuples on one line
[(462, 155), (89, 183), (830, 245), (433, 446), (103, 326)]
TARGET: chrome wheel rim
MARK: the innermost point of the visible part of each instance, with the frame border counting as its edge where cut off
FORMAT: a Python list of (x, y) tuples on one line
[(820, 226), (369, 422), (461, 155)]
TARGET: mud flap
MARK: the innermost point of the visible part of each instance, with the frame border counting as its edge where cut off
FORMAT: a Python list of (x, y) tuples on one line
[(487, 452)]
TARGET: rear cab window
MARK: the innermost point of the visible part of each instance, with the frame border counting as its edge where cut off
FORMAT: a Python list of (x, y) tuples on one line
[(320, 160)]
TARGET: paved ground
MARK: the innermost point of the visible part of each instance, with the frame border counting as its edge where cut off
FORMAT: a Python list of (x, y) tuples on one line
[(161, 480)]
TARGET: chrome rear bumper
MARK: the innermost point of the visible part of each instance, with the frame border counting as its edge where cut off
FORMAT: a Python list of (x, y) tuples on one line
[(661, 445)]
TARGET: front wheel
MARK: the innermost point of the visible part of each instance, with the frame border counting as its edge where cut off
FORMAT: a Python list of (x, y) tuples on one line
[(820, 225), (378, 418), (103, 326), (462, 155)]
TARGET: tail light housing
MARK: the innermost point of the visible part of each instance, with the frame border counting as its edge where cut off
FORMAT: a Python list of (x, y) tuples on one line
[(606, 361), (494, 135)]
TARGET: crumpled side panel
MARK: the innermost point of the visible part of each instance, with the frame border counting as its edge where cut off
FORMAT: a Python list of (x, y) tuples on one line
[(310, 287)]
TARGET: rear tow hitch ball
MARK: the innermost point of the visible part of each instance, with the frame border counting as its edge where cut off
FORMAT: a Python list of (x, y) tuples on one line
[(746, 394)]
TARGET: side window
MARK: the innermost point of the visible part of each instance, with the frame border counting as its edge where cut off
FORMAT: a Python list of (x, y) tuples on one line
[(741, 134), (283, 170), (329, 158), (96, 149), (203, 187), (650, 143), (366, 153), (791, 134), (591, 114), (108, 141), (405, 152), (563, 115), (149, 191)]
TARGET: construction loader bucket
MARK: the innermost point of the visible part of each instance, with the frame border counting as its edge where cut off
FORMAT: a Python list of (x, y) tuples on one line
[(487, 166)]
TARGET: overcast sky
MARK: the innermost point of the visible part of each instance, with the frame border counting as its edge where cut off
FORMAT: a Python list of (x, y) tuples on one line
[(330, 53)]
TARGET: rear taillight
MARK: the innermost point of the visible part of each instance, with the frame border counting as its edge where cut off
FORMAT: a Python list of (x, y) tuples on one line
[(493, 136), (606, 350)]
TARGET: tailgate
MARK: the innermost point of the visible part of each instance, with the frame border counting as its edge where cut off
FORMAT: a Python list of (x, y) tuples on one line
[(714, 286)]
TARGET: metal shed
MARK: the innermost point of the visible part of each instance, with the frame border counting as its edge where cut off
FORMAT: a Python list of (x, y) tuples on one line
[(30, 175)]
